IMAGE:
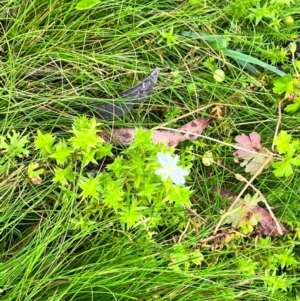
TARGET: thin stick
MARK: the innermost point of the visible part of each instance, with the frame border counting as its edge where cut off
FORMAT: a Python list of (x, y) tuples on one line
[(268, 160), (241, 178), (278, 121)]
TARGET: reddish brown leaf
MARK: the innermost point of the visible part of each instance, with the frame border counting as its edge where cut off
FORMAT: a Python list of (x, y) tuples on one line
[(189, 132), (267, 225)]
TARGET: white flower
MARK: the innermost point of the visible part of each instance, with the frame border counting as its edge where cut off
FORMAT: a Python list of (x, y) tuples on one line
[(170, 168)]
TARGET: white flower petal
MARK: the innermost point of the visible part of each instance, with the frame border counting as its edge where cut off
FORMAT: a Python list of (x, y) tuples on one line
[(165, 159), (160, 171), (175, 160), (165, 177), (182, 171), (170, 168), (177, 179), (160, 157)]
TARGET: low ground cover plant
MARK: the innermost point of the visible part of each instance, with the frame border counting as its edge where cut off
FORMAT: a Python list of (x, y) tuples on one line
[(192, 193)]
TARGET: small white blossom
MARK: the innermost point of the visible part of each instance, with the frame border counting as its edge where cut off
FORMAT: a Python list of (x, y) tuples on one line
[(170, 168)]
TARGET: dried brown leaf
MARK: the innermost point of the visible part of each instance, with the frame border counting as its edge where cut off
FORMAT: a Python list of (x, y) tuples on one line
[(189, 132), (266, 224)]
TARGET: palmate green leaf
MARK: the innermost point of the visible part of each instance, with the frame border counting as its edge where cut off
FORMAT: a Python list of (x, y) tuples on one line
[(283, 169), (16, 145), (239, 217), (3, 145), (285, 84), (294, 107), (34, 173), (285, 144), (86, 4), (296, 161)]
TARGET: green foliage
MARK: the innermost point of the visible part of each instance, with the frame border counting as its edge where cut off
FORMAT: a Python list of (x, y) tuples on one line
[(290, 148), (289, 85), (86, 4), (169, 37), (258, 12), (12, 145), (220, 43), (268, 262), (181, 259), (44, 143), (286, 85), (82, 234), (34, 174), (241, 215), (13, 148), (127, 189)]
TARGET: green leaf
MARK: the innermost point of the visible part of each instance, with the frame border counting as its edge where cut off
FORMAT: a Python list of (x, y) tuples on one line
[(130, 216), (44, 143), (221, 43), (63, 176), (34, 173), (286, 259), (285, 85), (86, 4), (239, 216), (104, 151), (89, 157), (196, 257), (179, 195), (282, 142), (113, 193), (62, 152), (171, 39), (294, 107), (3, 145), (142, 138), (16, 145), (117, 166), (259, 12), (296, 161), (282, 169), (244, 58), (90, 187), (86, 134), (216, 42)]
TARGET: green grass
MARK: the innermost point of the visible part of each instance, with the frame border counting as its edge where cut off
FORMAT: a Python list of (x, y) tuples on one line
[(97, 54)]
